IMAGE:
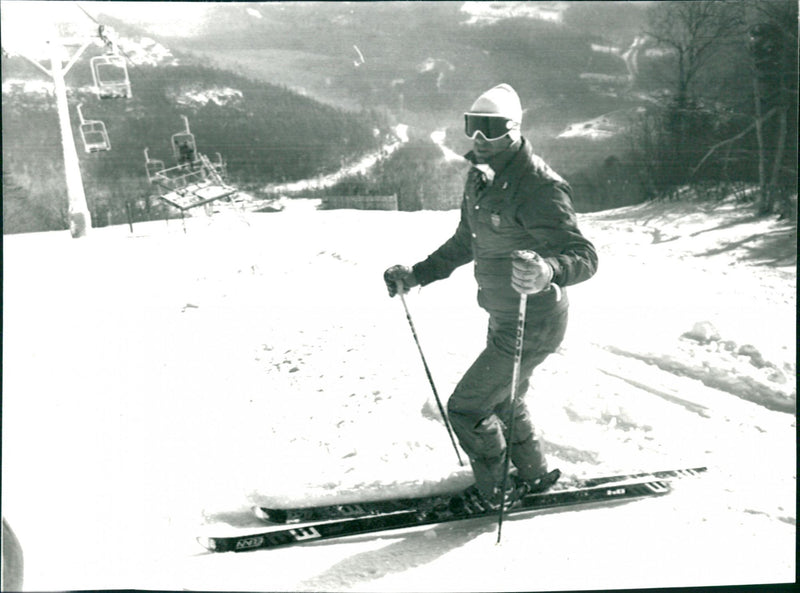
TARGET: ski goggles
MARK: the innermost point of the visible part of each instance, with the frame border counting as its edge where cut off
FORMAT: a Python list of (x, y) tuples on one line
[(491, 127)]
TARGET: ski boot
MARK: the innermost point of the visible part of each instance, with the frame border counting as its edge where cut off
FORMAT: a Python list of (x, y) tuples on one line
[(541, 484), (473, 501)]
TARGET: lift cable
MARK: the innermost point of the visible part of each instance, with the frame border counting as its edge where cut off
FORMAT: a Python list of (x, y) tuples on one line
[(101, 28)]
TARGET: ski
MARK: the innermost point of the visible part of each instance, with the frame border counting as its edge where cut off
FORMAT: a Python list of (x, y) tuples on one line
[(377, 507), (441, 509), (689, 472)]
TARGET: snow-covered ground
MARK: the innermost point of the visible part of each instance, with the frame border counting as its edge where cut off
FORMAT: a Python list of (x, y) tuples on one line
[(157, 384)]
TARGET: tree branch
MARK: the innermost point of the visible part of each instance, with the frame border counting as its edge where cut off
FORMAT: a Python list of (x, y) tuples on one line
[(741, 134)]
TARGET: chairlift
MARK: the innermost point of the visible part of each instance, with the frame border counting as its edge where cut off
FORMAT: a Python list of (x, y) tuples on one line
[(221, 166), (195, 180), (110, 74), (152, 166), (93, 133), (184, 147)]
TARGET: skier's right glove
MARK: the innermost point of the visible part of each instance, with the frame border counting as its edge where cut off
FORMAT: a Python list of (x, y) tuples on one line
[(402, 276), (529, 272)]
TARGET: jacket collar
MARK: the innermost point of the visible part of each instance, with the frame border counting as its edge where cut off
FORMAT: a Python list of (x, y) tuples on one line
[(502, 161)]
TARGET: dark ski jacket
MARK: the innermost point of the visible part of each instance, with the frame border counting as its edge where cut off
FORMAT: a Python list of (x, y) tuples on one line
[(527, 206)]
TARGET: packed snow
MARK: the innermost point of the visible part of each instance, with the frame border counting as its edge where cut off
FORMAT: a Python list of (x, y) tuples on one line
[(157, 383)]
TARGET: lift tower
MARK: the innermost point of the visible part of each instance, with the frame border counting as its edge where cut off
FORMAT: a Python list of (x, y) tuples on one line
[(80, 221)]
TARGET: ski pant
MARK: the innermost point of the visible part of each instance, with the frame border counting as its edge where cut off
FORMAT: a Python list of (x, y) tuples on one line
[(480, 408)]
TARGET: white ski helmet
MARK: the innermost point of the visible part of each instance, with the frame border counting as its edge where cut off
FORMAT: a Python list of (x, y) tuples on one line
[(501, 100)]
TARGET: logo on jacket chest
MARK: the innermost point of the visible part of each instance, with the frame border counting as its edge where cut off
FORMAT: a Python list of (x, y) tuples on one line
[(494, 218)]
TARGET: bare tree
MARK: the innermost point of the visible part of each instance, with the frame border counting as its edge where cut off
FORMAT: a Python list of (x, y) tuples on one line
[(694, 32), (773, 47)]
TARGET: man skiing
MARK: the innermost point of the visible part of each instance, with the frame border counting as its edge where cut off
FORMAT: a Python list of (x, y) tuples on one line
[(519, 228)]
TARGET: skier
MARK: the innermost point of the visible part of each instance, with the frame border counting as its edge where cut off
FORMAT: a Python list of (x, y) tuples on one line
[(185, 153), (519, 228)]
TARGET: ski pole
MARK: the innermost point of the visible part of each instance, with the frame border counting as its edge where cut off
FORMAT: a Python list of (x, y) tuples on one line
[(523, 301), (428, 373)]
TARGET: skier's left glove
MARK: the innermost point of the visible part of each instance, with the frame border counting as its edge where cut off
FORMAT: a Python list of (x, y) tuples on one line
[(529, 272), (399, 277)]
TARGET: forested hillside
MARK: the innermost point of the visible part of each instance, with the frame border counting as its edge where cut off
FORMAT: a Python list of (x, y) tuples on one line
[(263, 132), (627, 101), (425, 59)]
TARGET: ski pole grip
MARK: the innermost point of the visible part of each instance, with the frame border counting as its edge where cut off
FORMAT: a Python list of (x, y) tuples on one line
[(526, 255), (530, 256)]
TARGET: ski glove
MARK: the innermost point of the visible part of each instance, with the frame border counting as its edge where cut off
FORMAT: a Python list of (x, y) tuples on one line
[(399, 276), (529, 272)]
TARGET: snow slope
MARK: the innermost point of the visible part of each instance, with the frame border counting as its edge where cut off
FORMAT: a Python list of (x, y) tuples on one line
[(157, 384)]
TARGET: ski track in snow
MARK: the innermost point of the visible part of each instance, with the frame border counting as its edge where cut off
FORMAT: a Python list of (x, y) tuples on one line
[(157, 384)]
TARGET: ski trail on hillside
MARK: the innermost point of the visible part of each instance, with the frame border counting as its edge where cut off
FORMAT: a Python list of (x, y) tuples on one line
[(438, 137), (612, 123), (631, 58), (359, 167)]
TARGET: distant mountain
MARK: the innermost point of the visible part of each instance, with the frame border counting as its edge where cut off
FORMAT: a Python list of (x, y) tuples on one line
[(427, 61), (286, 91), (265, 132), (260, 128)]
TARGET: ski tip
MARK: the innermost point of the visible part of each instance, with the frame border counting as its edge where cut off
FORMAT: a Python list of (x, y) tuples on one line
[(260, 512), (270, 515), (208, 543)]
